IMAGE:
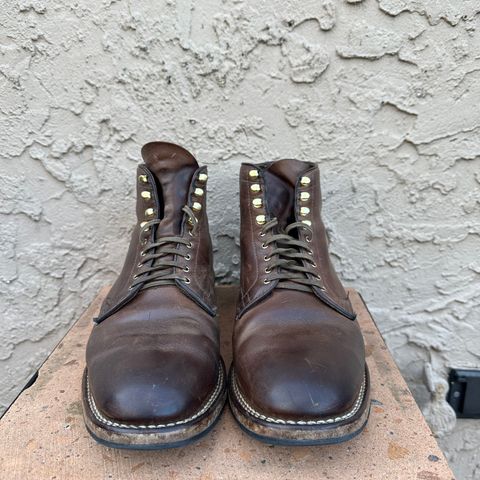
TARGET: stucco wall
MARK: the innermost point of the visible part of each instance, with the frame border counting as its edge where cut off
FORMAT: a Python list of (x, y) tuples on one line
[(383, 94)]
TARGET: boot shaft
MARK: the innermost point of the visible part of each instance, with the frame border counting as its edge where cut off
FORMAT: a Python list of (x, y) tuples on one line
[(288, 191), (170, 205)]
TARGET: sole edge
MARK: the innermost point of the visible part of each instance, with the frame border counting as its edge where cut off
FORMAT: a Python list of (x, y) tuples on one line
[(304, 435), (155, 439)]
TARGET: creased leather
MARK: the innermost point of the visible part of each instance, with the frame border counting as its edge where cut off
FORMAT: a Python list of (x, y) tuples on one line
[(153, 357), (298, 355), (279, 180), (179, 186)]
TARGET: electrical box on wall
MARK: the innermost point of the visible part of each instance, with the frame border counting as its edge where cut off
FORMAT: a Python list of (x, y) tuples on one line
[(464, 392)]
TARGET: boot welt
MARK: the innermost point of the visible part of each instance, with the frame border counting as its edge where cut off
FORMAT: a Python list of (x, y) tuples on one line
[(322, 431), (153, 437)]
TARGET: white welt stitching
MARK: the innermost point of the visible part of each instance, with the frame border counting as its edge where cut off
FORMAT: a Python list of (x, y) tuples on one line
[(350, 413), (207, 405)]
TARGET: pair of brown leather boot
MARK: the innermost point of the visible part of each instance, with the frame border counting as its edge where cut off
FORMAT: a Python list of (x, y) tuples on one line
[(155, 377)]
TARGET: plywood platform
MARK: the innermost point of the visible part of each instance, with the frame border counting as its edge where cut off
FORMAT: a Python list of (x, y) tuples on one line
[(42, 436)]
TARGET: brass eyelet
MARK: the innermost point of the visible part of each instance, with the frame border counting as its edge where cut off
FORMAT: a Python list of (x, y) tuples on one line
[(262, 234), (139, 265), (267, 258), (143, 254), (304, 211), (308, 239), (304, 181), (268, 270), (266, 282), (314, 265), (186, 269), (188, 257), (304, 196), (264, 246), (186, 280), (260, 219), (189, 245), (257, 203)]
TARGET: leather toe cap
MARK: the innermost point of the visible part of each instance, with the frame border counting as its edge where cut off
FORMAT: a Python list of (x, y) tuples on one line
[(152, 387), (302, 388), (301, 363)]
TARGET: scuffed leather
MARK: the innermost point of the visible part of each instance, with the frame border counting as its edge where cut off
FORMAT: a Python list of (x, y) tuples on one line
[(177, 189), (155, 360), (153, 356), (297, 355), (295, 358), (281, 202)]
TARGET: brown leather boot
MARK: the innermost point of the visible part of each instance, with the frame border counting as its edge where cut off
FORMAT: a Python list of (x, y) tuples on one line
[(154, 376), (299, 374)]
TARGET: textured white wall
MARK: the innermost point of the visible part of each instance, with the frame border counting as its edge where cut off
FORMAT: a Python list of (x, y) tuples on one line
[(383, 94)]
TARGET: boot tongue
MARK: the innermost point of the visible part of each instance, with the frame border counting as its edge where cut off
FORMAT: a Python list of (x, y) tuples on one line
[(173, 168), (280, 180)]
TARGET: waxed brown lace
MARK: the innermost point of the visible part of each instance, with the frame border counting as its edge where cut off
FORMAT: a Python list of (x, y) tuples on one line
[(167, 254), (285, 262)]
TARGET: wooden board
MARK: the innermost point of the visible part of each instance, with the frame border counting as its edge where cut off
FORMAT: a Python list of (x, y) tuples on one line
[(42, 436)]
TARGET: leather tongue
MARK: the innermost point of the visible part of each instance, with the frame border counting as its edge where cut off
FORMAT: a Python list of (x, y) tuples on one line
[(280, 180), (173, 167)]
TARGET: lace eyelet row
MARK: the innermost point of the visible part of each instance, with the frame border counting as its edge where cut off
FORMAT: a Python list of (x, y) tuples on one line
[(198, 193), (305, 197), (186, 268), (187, 258), (257, 203), (304, 212), (150, 214)]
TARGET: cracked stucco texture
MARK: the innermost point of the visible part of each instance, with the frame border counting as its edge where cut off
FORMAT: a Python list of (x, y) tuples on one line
[(383, 94)]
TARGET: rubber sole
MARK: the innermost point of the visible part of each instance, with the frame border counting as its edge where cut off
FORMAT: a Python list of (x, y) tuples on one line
[(114, 434), (276, 431)]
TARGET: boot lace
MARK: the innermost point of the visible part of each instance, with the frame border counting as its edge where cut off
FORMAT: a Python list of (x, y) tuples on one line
[(167, 254), (285, 259)]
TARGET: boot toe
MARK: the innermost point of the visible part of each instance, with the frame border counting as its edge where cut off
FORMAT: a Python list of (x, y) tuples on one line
[(302, 389), (152, 388), (304, 366)]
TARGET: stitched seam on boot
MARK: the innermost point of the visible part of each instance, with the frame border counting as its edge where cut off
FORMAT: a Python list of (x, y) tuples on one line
[(105, 421), (349, 414)]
